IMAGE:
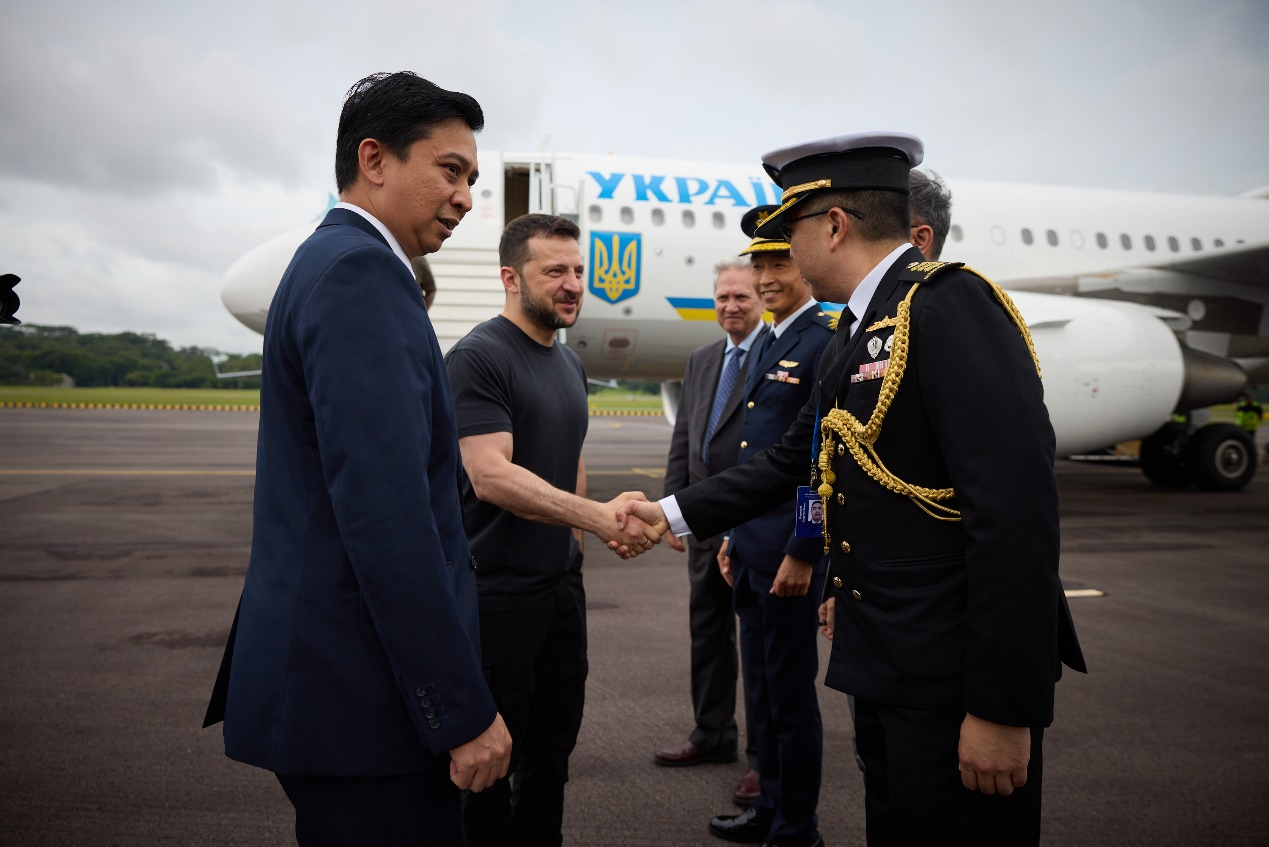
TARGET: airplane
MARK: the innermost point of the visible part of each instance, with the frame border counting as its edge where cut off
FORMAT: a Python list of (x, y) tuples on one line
[(1141, 305)]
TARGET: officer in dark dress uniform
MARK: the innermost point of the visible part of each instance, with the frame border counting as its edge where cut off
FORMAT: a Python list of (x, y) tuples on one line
[(928, 439)]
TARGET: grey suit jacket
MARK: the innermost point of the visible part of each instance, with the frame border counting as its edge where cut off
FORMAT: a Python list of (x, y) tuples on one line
[(684, 465)]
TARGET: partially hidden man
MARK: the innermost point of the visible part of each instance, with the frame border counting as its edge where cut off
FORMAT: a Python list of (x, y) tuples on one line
[(927, 437), (353, 668), (706, 441), (777, 575)]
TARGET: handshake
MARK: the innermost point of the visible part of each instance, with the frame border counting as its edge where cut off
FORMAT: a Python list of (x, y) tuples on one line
[(630, 524)]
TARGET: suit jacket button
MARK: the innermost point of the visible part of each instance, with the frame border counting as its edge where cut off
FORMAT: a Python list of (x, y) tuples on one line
[(434, 724), (425, 702), (750, 406), (845, 546), (420, 692), (744, 444), (431, 713), (854, 592), (837, 582)]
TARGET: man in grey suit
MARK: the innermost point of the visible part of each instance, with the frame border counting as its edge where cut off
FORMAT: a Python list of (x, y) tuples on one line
[(706, 441)]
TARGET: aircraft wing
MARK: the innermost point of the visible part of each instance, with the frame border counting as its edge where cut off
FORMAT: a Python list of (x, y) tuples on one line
[(1241, 265)]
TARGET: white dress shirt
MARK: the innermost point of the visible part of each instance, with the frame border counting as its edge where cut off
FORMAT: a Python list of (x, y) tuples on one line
[(383, 230)]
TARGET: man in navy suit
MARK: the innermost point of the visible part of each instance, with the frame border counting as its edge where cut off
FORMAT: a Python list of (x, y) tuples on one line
[(353, 668), (772, 569)]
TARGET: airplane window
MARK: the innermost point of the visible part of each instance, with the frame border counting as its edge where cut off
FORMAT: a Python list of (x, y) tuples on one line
[(1101, 240), (1126, 240), (1196, 245), (997, 235), (1218, 242), (1149, 239), (1077, 238), (719, 220), (689, 218), (595, 214), (658, 216), (1026, 236), (1173, 244), (957, 235), (627, 215), (1052, 238)]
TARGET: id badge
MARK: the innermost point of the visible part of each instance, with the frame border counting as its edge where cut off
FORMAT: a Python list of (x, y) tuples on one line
[(810, 513)]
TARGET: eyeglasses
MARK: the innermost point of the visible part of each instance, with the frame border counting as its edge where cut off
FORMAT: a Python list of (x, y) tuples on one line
[(786, 228)]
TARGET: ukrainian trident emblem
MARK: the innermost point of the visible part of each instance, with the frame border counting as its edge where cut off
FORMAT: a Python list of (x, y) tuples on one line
[(614, 265)]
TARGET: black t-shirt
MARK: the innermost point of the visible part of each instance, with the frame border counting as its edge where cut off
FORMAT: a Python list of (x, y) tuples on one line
[(504, 381)]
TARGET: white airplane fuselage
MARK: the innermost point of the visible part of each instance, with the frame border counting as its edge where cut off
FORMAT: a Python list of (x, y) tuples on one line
[(653, 230)]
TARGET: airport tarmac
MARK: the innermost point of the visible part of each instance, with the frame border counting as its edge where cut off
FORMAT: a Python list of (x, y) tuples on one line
[(124, 537)]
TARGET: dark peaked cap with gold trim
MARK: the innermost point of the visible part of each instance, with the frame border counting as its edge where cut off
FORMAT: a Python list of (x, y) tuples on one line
[(860, 161), (749, 224)]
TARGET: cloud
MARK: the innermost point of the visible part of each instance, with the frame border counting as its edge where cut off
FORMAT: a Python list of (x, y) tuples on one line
[(138, 115)]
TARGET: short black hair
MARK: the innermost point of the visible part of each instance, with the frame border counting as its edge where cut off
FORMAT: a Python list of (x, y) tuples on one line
[(931, 203), (513, 248), (885, 213), (396, 110)]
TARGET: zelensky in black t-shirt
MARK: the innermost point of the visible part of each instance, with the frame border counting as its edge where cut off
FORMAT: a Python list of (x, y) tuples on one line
[(504, 381), (520, 401)]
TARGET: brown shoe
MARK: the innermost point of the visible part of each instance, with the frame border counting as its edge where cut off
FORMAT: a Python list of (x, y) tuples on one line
[(687, 753), (747, 791)]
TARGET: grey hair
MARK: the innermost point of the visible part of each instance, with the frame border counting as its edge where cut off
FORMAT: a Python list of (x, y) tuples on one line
[(737, 263), (930, 202)]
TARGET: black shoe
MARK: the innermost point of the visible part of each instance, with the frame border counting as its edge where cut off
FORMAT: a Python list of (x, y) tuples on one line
[(748, 827), (819, 842)]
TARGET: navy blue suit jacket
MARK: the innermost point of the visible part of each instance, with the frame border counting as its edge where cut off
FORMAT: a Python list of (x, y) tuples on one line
[(771, 406), (356, 650)]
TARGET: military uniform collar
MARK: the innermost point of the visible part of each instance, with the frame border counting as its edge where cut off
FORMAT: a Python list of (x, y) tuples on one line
[(779, 328), (863, 293)]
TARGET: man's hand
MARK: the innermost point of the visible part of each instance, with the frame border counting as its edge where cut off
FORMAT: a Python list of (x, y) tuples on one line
[(827, 610), (625, 536), (994, 757), (650, 513), (793, 579), (482, 761), (675, 542), (724, 563)]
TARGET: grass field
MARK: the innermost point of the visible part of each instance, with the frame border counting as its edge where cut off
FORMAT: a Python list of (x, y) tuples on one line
[(132, 396), (615, 400), (607, 401)]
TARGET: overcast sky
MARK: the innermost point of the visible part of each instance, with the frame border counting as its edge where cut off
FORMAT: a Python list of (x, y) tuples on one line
[(144, 146)]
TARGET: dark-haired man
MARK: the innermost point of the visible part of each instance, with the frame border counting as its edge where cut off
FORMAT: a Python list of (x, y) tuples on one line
[(522, 414), (353, 668), (942, 525)]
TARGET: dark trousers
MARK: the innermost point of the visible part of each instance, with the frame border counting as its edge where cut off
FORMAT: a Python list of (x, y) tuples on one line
[(777, 636), (715, 665), (535, 662), (914, 794), (394, 811)]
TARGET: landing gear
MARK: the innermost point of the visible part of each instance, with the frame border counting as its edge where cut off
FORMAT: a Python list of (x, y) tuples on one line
[(1161, 456), (1216, 457)]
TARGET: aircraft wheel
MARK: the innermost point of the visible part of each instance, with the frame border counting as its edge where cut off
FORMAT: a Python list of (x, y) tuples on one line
[(1220, 457), (1161, 456)]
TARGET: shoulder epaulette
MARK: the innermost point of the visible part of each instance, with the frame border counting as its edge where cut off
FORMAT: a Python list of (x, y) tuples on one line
[(825, 319), (926, 271)]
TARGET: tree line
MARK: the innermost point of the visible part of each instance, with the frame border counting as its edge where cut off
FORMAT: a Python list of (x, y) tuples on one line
[(47, 355)]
